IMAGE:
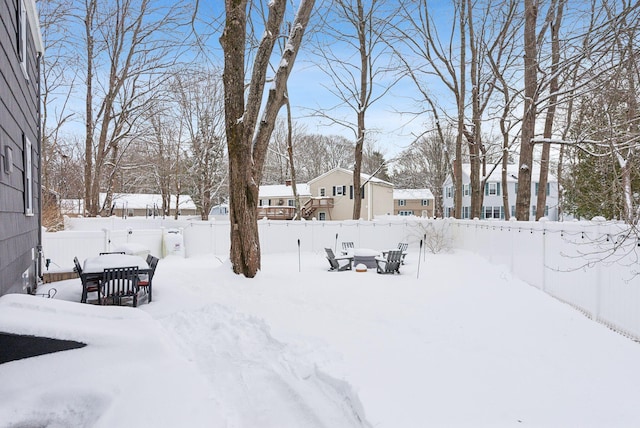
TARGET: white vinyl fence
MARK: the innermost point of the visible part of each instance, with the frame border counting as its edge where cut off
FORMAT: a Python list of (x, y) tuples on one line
[(87, 237), (592, 266)]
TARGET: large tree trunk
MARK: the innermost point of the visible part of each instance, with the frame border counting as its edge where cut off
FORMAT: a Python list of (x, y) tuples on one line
[(523, 200), (292, 166), (460, 95), (88, 143), (248, 137), (554, 86), (243, 191), (364, 95)]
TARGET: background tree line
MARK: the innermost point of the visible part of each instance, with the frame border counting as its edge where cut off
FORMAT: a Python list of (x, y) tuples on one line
[(133, 97)]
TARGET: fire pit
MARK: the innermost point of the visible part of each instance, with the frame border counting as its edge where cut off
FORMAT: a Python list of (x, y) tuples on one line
[(365, 256)]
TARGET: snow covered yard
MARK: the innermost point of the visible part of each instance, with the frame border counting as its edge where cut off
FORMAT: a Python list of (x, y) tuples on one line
[(465, 344)]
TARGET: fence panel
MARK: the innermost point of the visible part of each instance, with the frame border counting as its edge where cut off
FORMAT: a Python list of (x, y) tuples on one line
[(592, 266), (61, 247)]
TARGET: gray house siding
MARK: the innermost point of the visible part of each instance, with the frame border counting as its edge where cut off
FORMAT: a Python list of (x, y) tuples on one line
[(19, 143)]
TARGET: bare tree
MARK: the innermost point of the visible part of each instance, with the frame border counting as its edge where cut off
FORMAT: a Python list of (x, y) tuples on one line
[(277, 167), (163, 153), (503, 61), (608, 120), (425, 163), (445, 60), (200, 98), (248, 135), (318, 154), (355, 27), (554, 87), (127, 45)]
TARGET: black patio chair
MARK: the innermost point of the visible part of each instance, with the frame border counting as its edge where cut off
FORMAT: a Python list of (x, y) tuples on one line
[(89, 285), (145, 281), (390, 263), (119, 284), (340, 263)]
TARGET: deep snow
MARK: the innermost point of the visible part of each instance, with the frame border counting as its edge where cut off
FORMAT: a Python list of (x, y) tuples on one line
[(463, 345)]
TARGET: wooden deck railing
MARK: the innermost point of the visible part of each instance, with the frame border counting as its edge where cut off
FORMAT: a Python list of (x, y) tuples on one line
[(276, 213)]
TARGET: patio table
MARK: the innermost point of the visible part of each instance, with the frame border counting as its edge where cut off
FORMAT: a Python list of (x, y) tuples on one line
[(364, 256), (94, 267), (98, 264)]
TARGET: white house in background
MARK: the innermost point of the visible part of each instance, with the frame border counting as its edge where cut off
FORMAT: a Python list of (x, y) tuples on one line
[(332, 196), (220, 211), (417, 202), (492, 206)]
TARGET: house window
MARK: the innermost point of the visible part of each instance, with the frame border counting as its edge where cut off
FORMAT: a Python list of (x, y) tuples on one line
[(339, 190), (466, 189), (402, 202), (21, 12), (28, 178), (466, 212), (322, 216), (492, 189), (323, 192), (291, 202), (449, 191), (425, 202), (405, 212), (493, 212)]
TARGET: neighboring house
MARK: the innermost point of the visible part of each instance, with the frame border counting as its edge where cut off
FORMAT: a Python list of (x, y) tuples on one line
[(277, 202), (492, 206), (332, 196), (417, 202), (134, 205), (20, 194), (219, 212)]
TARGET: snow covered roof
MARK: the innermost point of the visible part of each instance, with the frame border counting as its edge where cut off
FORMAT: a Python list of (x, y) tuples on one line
[(130, 201), (417, 194), (146, 200), (363, 177), (283, 190)]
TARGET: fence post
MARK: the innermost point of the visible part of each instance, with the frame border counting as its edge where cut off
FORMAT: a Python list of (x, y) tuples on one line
[(598, 285), (544, 258), (513, 253), (107, 239)]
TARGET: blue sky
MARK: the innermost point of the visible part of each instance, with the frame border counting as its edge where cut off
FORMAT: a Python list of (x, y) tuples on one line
[(391, 127)]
